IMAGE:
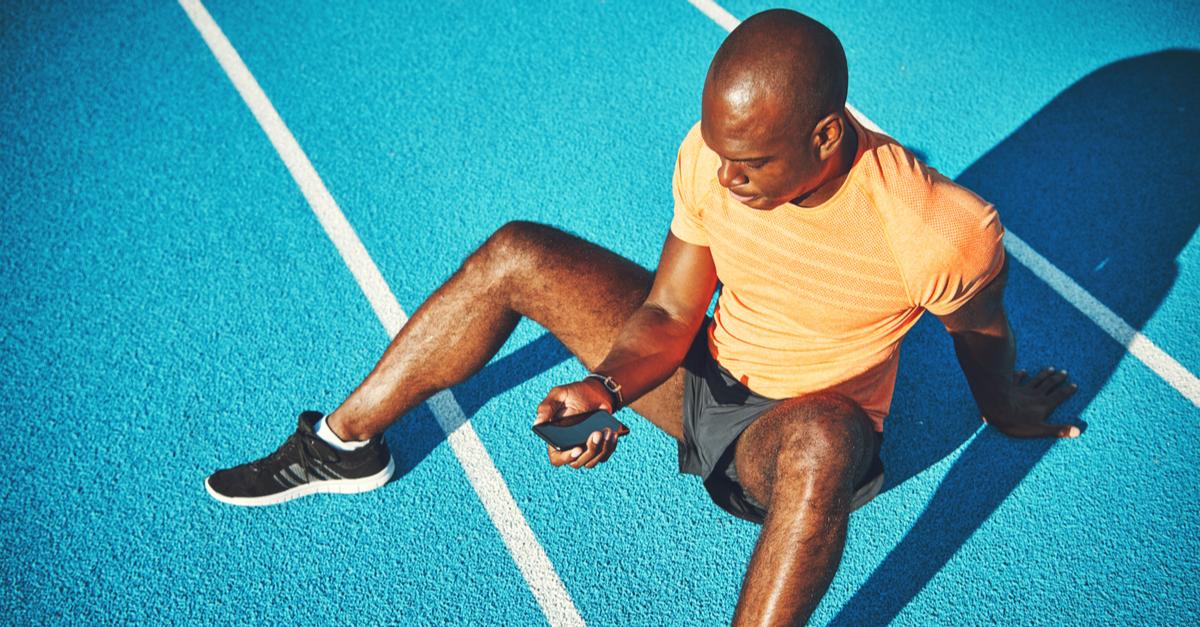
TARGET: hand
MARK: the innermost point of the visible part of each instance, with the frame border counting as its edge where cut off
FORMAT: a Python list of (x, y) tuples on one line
[(570, 400), (1031, 402)]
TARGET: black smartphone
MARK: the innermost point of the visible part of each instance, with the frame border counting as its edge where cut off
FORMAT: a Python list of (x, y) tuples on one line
[(565, 434)]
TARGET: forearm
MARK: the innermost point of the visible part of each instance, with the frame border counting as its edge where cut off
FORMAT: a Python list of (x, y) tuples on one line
[(648, 350), (987, 360)]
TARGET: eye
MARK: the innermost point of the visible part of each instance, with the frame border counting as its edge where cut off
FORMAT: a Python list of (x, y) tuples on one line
[(754, 165)]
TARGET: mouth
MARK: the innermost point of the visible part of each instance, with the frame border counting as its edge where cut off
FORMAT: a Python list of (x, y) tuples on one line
[(740, 198)]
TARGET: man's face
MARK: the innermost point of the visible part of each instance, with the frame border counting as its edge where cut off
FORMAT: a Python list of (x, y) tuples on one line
[(766, 160)]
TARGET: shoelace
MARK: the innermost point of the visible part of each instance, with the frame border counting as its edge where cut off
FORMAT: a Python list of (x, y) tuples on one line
[(301, 443)]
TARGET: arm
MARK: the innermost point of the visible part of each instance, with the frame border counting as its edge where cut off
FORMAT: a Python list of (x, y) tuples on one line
[(986, 350), (648, 349), (655, 339)]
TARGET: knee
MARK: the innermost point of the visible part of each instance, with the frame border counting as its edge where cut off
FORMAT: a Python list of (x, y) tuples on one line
[(823, 433), (514, 246), (820, 440)]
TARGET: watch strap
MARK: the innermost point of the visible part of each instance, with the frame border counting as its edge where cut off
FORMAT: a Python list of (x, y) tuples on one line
[(614, 388)]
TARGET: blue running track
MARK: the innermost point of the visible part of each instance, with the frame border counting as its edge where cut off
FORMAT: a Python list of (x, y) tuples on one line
[(170, 303)]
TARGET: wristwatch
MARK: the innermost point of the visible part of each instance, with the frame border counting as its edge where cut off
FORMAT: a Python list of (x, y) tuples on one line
[(614, 388)]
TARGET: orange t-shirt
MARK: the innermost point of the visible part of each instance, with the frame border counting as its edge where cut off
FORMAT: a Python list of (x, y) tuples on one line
[(817, 298)]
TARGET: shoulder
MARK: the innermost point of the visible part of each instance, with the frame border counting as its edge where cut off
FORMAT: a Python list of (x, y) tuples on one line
[(947, 240), (695, 169), (694, 154), (924, 206), (693, 139)]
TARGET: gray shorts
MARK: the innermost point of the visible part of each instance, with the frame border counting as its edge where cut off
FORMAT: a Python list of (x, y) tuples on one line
[(716, 409)]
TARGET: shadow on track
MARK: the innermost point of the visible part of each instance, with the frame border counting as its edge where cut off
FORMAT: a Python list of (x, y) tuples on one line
[(1101, 181), (417, 433)]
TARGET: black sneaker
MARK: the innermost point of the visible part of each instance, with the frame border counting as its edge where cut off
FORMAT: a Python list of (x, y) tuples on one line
[(304, 465)]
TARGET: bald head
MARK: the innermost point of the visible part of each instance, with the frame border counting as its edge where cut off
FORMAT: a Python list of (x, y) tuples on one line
[(774, 111), (782, 64)]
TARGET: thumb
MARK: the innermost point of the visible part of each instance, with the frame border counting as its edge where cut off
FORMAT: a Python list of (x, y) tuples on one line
[(1049, 430), (1036, 430), (549, 407), (1068, 431)]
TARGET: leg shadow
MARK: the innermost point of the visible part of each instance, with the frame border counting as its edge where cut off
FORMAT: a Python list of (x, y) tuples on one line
[(1100, 181), (418, 432)]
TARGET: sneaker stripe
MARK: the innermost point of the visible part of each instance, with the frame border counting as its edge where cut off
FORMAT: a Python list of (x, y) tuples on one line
[(290, 475), (331, 473), (300, 473), (323, 473), (305, 475)]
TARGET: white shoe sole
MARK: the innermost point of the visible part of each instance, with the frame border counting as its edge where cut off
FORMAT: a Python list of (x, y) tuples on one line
[(334, 486)]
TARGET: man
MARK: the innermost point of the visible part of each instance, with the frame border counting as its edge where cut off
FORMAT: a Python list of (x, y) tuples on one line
[(829, 242)]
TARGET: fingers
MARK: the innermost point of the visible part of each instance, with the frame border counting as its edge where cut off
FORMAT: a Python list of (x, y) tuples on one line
[(1048, 379), (1040, 378), (561, 458), (550, 406), (595, 445), (1054, 380), (1063, 392), (570, 399), (1052, 383), (1032, 401), (612, 446), (600, 447), (608, 444)]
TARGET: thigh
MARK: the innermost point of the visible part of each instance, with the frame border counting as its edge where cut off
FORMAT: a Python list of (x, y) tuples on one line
[(582, 294), (824, 441)]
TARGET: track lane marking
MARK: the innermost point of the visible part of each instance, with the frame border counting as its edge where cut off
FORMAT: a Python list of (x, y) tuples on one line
[(531, 559), (1138, 345)]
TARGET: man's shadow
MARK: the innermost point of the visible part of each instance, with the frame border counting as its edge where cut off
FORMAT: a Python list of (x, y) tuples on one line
[(1102, 182)]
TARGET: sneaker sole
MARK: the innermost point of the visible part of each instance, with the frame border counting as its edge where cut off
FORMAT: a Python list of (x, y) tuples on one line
[(333, 486)]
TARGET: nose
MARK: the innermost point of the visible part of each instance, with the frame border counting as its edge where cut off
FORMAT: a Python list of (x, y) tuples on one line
[(730, 175)]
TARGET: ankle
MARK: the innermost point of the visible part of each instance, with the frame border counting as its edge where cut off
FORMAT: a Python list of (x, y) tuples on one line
[(342, 435)]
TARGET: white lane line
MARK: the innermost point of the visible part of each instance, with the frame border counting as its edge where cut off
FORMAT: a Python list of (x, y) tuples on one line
[(493, 492), (716, 13), (1137, 344)]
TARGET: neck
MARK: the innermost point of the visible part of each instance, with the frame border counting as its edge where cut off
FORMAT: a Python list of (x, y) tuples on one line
[(839, 167)]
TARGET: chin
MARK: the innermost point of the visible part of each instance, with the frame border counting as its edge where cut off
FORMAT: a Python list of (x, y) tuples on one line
[(762, 204)]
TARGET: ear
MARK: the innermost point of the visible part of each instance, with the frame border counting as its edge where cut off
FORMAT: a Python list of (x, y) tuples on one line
[(828, 134)]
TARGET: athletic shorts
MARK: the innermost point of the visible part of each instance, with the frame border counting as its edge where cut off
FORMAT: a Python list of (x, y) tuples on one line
[(716, 409)]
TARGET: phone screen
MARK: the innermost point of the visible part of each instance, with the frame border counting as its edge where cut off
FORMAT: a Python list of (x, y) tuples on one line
[(567, 433)]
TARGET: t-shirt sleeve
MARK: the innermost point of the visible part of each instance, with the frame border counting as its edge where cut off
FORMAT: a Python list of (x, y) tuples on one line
[(688, 222), (963, 248)]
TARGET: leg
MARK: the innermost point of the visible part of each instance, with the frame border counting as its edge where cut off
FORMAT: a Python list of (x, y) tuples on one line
[(580, 292), (802, 460)]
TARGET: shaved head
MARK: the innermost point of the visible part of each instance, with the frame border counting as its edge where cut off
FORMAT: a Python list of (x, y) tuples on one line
[(781, 60), (774, 110)]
